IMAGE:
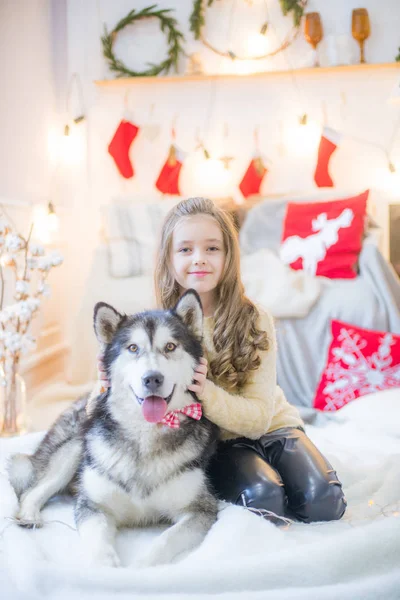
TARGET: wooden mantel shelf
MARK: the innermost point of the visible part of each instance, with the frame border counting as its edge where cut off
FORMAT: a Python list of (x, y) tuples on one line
[(123, 81)]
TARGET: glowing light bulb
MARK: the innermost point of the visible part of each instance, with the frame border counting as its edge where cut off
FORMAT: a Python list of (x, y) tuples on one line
[(45, 223), (53, 221), (257, 45), (302, 138), (211, 178), (72, 149)]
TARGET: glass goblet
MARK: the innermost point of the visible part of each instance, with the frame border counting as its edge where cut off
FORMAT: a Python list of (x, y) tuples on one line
[(313, 32), (360, 28)]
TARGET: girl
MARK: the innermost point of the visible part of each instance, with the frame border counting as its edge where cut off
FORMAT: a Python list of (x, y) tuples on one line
[(264, 460)]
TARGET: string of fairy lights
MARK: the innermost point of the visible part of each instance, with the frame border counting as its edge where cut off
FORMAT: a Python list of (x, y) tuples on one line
[(307, 122), (378, 512), (232, 54)]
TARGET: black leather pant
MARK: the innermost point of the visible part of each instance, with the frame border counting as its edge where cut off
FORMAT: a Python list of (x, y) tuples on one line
[(282, 472)]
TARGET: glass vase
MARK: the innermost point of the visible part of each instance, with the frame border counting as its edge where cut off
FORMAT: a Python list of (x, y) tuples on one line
[(13, 405)]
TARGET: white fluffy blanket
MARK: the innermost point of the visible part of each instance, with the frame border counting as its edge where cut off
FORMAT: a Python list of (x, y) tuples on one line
[(243, 556), (278, 288)]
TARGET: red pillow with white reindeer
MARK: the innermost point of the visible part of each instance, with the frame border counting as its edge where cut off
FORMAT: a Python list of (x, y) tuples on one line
[(325, 238), (360, 361)]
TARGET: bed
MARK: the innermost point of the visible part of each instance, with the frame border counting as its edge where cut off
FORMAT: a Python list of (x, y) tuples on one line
[(355, 558), (297, 301), (243, 556)]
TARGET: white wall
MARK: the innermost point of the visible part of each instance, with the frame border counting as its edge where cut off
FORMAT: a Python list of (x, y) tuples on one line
[(27, 101), (43, 43), (354, 102), (29, 109)]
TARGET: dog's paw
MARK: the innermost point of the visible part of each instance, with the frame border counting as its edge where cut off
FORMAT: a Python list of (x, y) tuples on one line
[(30, 519), (107, 557)]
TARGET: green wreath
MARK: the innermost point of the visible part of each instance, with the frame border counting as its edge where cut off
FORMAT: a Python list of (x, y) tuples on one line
[(167, 23), (197, 17)]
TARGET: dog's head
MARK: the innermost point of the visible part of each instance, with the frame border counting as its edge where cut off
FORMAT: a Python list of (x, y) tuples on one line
[(150, 357)]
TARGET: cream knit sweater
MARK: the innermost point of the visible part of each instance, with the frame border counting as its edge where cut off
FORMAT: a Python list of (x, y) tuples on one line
[(261, 407)]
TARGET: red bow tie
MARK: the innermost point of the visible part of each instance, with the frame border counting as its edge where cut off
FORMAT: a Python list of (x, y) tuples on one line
[(191, 410)]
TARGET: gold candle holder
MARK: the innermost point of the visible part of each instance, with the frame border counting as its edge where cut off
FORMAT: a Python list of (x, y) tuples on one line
[(313, 32), (360, 29)]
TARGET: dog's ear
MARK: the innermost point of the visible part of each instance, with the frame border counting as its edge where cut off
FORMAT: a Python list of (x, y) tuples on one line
[(189, 309), (106, 320)]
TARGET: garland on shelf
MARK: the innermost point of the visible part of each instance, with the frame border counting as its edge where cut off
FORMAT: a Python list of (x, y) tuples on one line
[(167, 23), (196, 19), (197, 22), (295, 6)]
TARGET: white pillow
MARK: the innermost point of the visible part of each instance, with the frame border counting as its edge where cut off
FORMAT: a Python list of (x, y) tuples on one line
[(131, 231)]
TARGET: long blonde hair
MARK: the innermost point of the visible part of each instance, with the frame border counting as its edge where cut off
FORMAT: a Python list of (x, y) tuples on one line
[(236, 338)]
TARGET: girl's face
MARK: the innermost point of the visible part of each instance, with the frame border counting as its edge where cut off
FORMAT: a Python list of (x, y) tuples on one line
[(198, 253)]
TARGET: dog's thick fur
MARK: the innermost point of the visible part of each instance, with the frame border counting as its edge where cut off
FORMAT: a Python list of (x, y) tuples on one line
[(128, 471)]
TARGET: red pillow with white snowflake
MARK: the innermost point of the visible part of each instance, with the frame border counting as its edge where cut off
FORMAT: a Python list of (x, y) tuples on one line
[(360, 361), (325, 238)]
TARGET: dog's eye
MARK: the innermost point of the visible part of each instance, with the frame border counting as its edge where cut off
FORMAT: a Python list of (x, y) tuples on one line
[(133, 348), (170, 347)]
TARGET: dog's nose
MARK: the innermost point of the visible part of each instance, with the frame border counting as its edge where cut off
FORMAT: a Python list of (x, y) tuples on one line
[(152, 381)]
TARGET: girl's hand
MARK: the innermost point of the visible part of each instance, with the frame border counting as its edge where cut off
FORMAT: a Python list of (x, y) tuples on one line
[(101, 373), (200, 376)]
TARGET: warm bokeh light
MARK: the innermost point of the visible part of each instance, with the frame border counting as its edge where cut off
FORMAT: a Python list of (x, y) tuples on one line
[(45, 224), (53, 222), (209, 177), (66, 149), (257, 45), (302, 140), (72, 147)]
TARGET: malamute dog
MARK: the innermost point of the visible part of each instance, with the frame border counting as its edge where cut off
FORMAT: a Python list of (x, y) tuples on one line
[(126, 466)]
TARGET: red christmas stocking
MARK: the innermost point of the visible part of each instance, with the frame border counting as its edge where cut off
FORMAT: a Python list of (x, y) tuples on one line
[(327, 146), (253, 177), (120, 145), (168, 179)]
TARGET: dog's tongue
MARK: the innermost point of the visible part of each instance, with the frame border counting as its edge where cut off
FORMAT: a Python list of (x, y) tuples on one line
[(154, 408)]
